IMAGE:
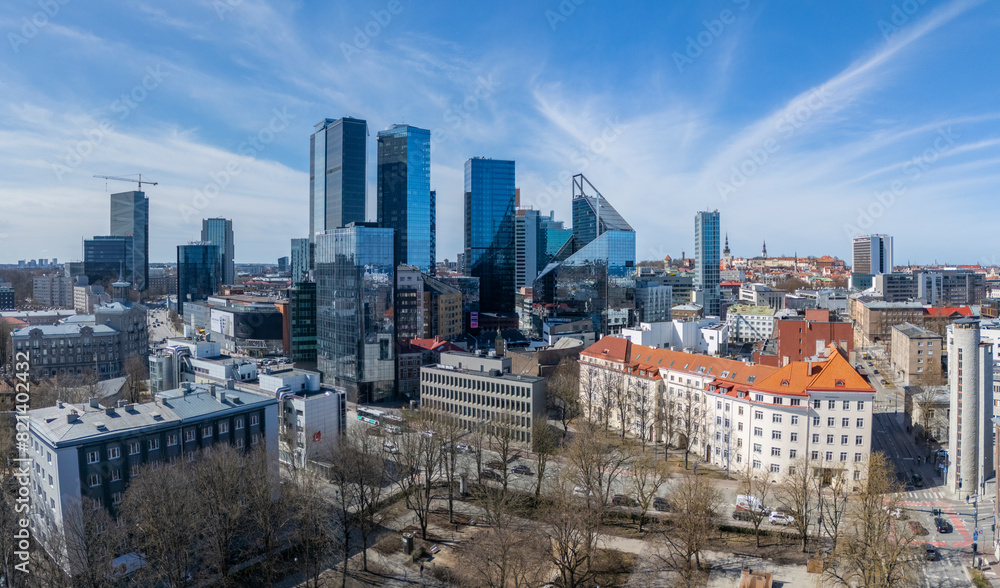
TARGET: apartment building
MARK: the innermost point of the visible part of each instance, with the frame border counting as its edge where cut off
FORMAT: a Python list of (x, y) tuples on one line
[(916, 355), (750, 323), (732, 414)]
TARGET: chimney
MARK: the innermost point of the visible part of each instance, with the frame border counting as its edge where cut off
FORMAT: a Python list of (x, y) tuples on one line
[(222, 397), (211, 389), (110, 411), (95, 403), (122, 403), (73, 417)]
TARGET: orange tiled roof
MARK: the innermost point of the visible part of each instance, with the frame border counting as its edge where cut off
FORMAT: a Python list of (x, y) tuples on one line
[(948, 311), (838, 374), (435, 344)]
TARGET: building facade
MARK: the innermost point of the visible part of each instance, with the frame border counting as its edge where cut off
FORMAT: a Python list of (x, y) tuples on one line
[(489, 231), (302, 323), (404, 195), (337, 170), (872, 256), (442, 310), (916, 355), (749, 323), (198, 272), (970, 429), (219, 232), (54, 290), (706, 255), (130, 218), (301, 259), (106, 257), (355, 336)]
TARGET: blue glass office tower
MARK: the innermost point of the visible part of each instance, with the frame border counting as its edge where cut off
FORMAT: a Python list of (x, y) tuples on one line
[(489, 231), (198, 272), (130, 218), (106, 256), (405, 201), (337, 167), (706, 257), (302, 259), (219, 231), (355, 338), (593, 274)]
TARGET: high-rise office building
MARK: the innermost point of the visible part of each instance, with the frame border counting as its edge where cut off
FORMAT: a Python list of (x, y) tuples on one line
[(302, 324), (199, 272), (489, 231), (130, 218), (405, 202), (337, 168), (707, 248), (106, 256), (593, 274), (355, 340), (302, 259), (872, 256), (527, 239), (970, 431), (219, 231)]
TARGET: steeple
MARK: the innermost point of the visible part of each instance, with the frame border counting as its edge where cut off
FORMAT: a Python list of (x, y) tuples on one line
[(725, 250), (764, 252)]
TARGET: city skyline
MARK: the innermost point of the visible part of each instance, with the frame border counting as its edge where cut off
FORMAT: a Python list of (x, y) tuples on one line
[(873, 122)]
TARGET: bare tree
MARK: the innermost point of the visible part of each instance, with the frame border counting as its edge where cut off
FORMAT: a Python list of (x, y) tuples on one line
[(930, 417), (620, 391), (340, 472), (644, 409), (6, 346), (694, 501), (93, 540), (590, 391), (563, 391), (136, 378), (450, 430), (478, 438), (572, 533), (221, 484), (268, 510), (649, 474), (666, 418), (878, 550), (10, 515), (507, 553), (419, 457), (311, 521), (543, 441), (691, 417), (796, 495), (503, 436), (596, 462), (162, 514), (754, 483), (368, 477)]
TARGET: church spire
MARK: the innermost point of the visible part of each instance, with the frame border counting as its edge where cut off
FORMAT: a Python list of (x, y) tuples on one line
[(764, 252), (726, 250)]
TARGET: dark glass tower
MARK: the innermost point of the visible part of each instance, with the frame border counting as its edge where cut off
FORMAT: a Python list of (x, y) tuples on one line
[(106, 257), (302, 259), (405, 202), (489, 231), (130, 218), (219, 231), (355, 340), (198, 272), (706, 257), (337, 165)]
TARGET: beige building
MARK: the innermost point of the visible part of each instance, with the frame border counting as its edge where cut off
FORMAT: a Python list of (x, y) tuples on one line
[(928, 408), (54, 291), (85, 298), (916, 355)]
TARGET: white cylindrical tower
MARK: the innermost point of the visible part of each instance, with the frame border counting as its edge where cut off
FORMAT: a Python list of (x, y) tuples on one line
[(964, 434)]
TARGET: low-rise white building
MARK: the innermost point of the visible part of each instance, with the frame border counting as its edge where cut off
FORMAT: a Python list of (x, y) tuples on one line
[(732, 414), (750, 323)]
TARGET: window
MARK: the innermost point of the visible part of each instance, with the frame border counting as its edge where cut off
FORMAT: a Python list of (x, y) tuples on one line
[(791, 455), (758, 414), (861, 405), (831, 404), (116, 475), (843, 439), (829, 439), (756, 448), (135, 470), (171, 439), (239, 423), (739, 426), (758, 432), (740, 411), (843, 456), (857, 457), (93, 456), (831, 422), (114, 452), (51, 481), (153, 444), (814, 455), (859, 440), (795, 401), (815, 421), (861, 423), (795, 419), (847, 405), (845, 422), (794, 437), (189, 436), (756, 464), (857, 475), (223, 427), (776, 435), (775, 418), (133, 448), (191, 455), (256, 439), (93, 480), (791, 470), (815, 437), (775, 452), (206, 431), (829, 456), (116, 498), (816, 404), (775, 468), (254, 420)]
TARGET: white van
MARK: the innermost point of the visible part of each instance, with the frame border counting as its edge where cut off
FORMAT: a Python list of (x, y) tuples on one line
[(751, 503)]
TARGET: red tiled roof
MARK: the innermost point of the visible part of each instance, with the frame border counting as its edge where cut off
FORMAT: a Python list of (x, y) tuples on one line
[(948, 311), (435, 344)]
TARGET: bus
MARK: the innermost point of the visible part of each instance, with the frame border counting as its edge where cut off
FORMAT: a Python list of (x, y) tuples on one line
[(391, 422), (370, 415)]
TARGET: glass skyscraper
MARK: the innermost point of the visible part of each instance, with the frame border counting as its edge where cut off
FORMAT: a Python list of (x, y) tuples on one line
[(707, 249), (337, 167), (489, 231), (130, 218), (355, 340), (302, 259), (593, 274), (198, 272), (405, 202), (219, 231), (107, 257)]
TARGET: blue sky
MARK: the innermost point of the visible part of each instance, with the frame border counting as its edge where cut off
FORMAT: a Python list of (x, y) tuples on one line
[(801, 122)]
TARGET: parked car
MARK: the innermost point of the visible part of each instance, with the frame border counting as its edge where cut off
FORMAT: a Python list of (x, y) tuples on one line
[(930, 553), (661, 504), (751, 503), (918, 481), (917, 528), (390, 447), (742, 514), (463, 448), (942, 524), (623, 500), (581, 491), (522, 470), (780, 518), (496, 464), (491, 475)]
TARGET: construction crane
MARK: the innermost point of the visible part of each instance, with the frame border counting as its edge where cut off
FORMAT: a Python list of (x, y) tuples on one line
[(140, 182)]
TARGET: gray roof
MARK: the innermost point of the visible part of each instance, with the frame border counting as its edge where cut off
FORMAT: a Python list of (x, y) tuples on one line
[(880, 304), (78, 319), (610, 219), (913, 331), (63, 330), (172, 408)]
